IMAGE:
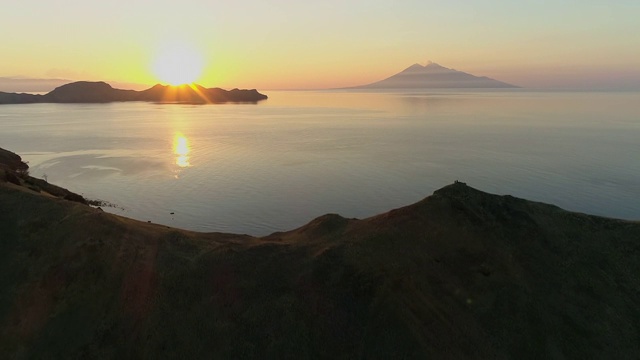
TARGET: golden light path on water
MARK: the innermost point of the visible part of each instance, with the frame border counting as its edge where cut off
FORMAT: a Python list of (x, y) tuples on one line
[(181, 149)]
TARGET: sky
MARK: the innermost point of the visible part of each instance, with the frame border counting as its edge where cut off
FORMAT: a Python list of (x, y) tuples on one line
[(282, 44)]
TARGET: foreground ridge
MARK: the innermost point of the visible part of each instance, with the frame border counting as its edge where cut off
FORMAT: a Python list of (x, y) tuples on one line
[(459, 274)]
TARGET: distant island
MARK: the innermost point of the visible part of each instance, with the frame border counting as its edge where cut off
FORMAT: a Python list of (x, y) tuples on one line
[(24, 84), (434, 76), (101, 92)]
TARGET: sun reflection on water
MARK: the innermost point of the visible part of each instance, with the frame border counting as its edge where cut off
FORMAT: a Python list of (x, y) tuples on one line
[(181, 149)]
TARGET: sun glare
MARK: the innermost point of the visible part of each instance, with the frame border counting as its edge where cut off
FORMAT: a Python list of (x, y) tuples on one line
[(178, 64), (181, 149)]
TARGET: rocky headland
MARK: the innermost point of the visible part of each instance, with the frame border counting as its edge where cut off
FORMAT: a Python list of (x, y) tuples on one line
[(460, 274)]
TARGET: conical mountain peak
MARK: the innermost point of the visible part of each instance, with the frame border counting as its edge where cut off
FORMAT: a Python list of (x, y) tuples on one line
[(432, 65), (414, 67), (435, 76)]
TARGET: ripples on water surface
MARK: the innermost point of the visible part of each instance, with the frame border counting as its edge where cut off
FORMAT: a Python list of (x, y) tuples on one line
[(276, 165)]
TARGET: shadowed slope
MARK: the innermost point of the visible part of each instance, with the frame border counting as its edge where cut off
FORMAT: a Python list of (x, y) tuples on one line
[(460, 274), (11, 161)]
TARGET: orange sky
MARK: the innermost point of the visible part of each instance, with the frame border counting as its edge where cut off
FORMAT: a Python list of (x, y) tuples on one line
[(293, 44)]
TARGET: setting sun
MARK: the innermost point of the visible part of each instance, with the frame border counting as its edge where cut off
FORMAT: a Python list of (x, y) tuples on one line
[(178, 64)]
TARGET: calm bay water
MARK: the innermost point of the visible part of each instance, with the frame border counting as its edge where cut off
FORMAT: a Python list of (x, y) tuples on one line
[(277, 165)]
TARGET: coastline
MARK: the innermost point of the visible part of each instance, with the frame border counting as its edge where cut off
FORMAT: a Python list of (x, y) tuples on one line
[(461, 273)]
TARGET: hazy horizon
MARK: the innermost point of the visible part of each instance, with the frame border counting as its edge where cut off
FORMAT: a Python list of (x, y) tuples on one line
[(43, 85), (291, 45)]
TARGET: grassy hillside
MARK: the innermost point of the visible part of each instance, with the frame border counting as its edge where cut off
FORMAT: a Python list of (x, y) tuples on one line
[(460, 274)]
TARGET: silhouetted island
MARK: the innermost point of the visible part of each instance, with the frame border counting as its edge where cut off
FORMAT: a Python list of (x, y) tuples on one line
[(434, 76), (101, 92), (460, 274)]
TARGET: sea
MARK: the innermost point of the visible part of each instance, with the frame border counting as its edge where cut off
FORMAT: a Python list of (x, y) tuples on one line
[(278, 164)]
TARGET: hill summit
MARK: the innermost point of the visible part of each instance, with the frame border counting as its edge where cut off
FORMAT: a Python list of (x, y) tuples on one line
[(434, 76)]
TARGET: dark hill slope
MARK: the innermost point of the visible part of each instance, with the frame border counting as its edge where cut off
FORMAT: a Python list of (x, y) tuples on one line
[(12, 161), (460, 274)]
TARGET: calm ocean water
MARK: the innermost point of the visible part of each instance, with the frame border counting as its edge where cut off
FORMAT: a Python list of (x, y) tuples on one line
[(276, 165)]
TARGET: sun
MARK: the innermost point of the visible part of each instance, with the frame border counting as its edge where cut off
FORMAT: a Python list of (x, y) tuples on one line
[(178, 64)]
